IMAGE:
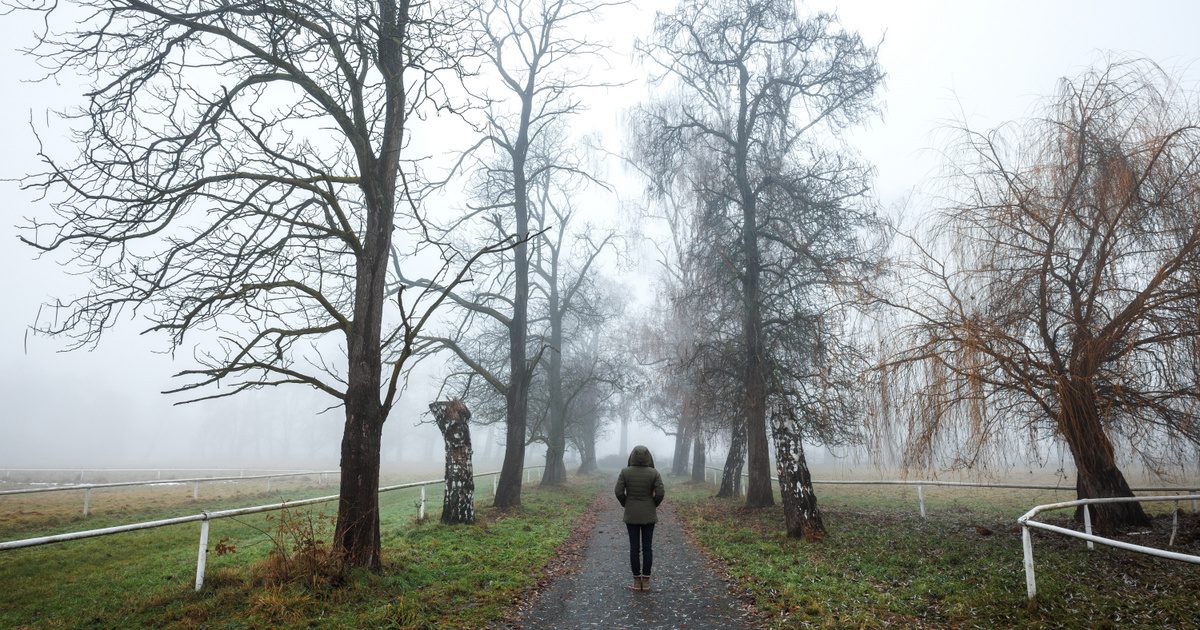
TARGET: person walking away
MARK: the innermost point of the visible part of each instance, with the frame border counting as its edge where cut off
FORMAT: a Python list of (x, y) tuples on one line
[(640, 490)]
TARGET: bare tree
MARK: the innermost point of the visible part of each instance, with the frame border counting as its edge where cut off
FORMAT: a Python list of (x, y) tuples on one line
[(535, 61), (239, 183), (760, 88), (1067, 303), (595, 366)]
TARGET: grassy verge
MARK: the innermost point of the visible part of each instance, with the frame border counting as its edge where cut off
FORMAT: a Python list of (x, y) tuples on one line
[(882, 565), (434, 576)]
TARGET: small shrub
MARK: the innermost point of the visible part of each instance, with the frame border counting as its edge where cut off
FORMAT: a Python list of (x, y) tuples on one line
[(300, 553)]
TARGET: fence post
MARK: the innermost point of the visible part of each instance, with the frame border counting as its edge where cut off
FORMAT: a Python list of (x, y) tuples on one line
[(1194, 510), (1030, 578), (268, 484), (421, 513), (202, 555), (1087, 525), (921, 499), (495, 484), (87, 502), (195, 490)]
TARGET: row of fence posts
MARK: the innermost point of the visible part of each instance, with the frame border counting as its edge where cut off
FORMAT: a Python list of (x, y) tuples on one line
[(79, 478), (87, 492)]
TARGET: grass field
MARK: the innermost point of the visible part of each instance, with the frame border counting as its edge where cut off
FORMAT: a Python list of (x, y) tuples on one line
[(434, 577), (882, 565)]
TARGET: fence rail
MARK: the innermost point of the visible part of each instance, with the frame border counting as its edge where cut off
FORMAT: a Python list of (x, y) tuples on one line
[(1026, 522), (921, 483), (80, 472), (195, 481), (204, 518)]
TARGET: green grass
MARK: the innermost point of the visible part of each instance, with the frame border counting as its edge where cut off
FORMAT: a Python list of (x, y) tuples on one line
[(882, 565), (434, 576)]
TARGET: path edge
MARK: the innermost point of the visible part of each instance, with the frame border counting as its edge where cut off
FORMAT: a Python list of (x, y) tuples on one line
[(565, 561), (757, 617)]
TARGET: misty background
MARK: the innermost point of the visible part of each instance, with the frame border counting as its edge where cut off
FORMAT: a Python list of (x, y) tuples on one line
[(946, 62)]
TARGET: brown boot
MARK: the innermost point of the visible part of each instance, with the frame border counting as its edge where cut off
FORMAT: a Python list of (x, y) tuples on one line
[(637, 583), (645, 583)]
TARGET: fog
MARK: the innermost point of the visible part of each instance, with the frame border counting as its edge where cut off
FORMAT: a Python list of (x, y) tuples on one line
[(952, 61)]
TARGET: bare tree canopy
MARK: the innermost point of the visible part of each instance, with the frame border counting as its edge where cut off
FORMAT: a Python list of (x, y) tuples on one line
[(240, 184), (1067, 303)]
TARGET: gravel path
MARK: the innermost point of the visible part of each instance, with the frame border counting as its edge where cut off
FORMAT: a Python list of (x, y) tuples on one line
[(684, 591)]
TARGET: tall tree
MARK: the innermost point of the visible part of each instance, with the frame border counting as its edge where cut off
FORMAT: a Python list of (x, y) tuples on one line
[(1065, 301), (564, 290), (239, 183), (532, 52), (761, 88)]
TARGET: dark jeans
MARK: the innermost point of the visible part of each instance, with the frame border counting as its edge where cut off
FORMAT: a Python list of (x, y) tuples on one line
[(645, 534)]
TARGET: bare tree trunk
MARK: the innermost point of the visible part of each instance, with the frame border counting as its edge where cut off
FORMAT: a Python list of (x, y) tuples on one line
[(587, 451), (356, 535), (758, 490), (555, 473), (454, 421), (731, 476), (508, 491), (698, 458), (683, 439), (1097, 474), (801, 515)]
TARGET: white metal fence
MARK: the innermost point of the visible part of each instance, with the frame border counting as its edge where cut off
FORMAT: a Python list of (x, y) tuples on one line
[(6, 474), (195, 481), (204, 518), (920, 484), (1026, 521)]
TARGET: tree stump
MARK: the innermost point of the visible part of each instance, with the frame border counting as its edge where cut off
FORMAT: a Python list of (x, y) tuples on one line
[(453, 420)]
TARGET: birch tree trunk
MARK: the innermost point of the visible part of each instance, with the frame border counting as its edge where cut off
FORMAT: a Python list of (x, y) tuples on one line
[(453, 420), (800, 512)]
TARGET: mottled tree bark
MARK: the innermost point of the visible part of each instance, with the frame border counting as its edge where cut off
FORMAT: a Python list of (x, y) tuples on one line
[(801, 515), (453, 420)]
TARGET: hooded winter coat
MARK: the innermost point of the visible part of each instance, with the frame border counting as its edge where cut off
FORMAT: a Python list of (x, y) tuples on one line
[(640, 488)]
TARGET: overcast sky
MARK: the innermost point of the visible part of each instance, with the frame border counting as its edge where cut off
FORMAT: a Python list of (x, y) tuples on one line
[(978, 61)]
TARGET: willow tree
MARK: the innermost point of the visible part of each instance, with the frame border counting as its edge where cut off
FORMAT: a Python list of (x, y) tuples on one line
[(239, 183), (1067, 303), (764, 90)]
